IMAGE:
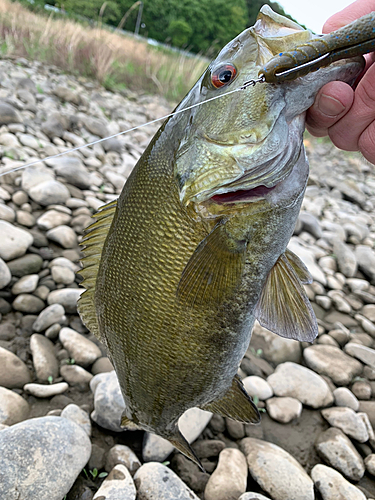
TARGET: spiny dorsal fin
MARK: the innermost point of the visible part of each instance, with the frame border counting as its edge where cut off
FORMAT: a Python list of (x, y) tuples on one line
[(236, 404), (283, 306), (213, 270), (93, 243)]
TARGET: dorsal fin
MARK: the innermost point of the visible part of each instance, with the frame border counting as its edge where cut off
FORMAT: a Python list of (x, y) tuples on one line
[(93, 243)]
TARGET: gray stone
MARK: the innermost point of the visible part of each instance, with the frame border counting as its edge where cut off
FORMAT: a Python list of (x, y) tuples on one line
[(257, 386), (50, 315), (361, 352), (102, 365), (5, 274), (284, 410), (81, 349), (155, 481), (253, 496), (121, 454), (366, 261), (229, 479), (67, 297), (338, 451), (369, 312), (8, 114), (296, 381), (310, 224), (28, 264), (25, 218), (345, 397), (44, 359), (333, 486), (96, 127), (108, 401), (77, 415), (63, 235), (35, 175), (7, 213), (275, 349), (13, 409), (28, 303), (348, 421), (49, 192), (26, 284), (308, 258), (51, 219), (13, 372), (29, 141), (45, 455), (7, 331), (75, 375), (370, 464), (368, 407), (276, 471), (62, 275), (362, 389), (68, 95), (119, 485), (14, 241), (331, 361), (46, 391), (72, 170), (346, 258)]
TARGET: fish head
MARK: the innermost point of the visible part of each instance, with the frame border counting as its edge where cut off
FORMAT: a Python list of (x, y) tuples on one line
[(241, 144)]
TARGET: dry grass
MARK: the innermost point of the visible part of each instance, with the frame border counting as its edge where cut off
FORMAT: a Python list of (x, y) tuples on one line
[(114, 60)]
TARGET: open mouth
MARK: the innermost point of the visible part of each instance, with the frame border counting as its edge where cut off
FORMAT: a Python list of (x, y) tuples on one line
[(243, 195)]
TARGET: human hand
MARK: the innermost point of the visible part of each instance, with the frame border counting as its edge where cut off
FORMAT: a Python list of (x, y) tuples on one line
[(347, 116)]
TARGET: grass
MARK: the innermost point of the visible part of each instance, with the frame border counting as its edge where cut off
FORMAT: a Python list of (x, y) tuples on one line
[(115, 60)]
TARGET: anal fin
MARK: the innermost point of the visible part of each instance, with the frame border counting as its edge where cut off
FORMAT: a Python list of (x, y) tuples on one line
[(184, 447), (235, 404)]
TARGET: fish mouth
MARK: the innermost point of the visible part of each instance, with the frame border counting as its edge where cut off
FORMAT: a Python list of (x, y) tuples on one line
[(243, 195)]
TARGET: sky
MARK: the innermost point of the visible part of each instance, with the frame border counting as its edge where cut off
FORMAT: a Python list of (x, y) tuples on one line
[(313, 13)]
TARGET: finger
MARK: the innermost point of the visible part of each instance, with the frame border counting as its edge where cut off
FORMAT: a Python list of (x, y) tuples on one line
[(331, 103), (366, 143), (348, 15), (345, 133)]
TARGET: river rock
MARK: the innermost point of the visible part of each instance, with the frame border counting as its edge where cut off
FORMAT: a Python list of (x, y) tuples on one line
[(333, 486), (63, 235), (52, 218), (8, 114), (348, 421), (44, 359), (13, 372), (5, 274), (26, 265), (72, 170), (118, 485), (81, 349), (108, 401), (49, 192), (121, 454), (79, 416), (14, 241), (275, 349), (284, 410), (296, 381), (337, 450), (46, 391), (366, 261), (257, 386), (276, 471), (308, 258), (28, 303), (67, 297), (346, 258), (229, 479), (7, 213), (42, 457), (253, 496), (26, 284), (75, 375), (13, 408), (49, 316), (331, 361), (370, 464), (154, 481), (361, 352), (344, 397)]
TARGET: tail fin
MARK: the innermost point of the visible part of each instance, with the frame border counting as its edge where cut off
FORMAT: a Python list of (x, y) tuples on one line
[(179, 442)]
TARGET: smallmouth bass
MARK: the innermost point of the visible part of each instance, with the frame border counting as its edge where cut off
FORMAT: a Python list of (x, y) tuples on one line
[(194, 250)]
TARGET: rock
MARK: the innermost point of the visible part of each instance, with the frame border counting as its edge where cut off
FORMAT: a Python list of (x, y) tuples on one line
[(46, 391), (96, 127), (348, 421), (26, 265), (81, 349), (51, 219), (72, 170), (8, 114), (75, 375), (229, 479), (67, 297), (13, 409), (35, 175), (13, 372), (5, 274), (63, 235), (26, 284), (25, 218), (27, 303), (44, 359), (7, 332), (49, 193), (50, 315), (361, 352), (191, 424), (14, 241), (370, 464), (108, 401), (308, 258), (283, 410), (29, 141), (62, 275), (45, 455), (68, 95), (366, 261), (253, 496), (118, 485), (331, 361), (310, 224), (368, 407), (7, 213), (155, 481), (362, 389), (346, 258), (257, 386), (344, 397), (77, 415), (332, 486), (338, 451), (369, 312), (121, 454), (275, 349), (296, 381), (236, 430), (276, 471), (102, 365)]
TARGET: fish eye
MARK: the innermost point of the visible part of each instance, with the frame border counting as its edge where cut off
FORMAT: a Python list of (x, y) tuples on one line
[(223, 75)]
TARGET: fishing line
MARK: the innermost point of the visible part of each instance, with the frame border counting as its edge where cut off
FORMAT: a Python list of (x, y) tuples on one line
[(77, 148)]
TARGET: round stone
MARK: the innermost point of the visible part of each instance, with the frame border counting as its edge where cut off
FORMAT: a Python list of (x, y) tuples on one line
[(229, 479), (46, 391), (5, 274), (13, 372), (257, 386), (13, 409), (14, 241), (284, 410), (26, 284), (344, 397), (333, 486), (81, 349)]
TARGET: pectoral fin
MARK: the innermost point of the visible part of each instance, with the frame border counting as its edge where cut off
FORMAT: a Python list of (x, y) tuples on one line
[(283, 306), (235, 404), (213, 270)]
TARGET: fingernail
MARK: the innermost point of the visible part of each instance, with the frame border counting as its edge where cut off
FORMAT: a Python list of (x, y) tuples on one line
[(330, 106)]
